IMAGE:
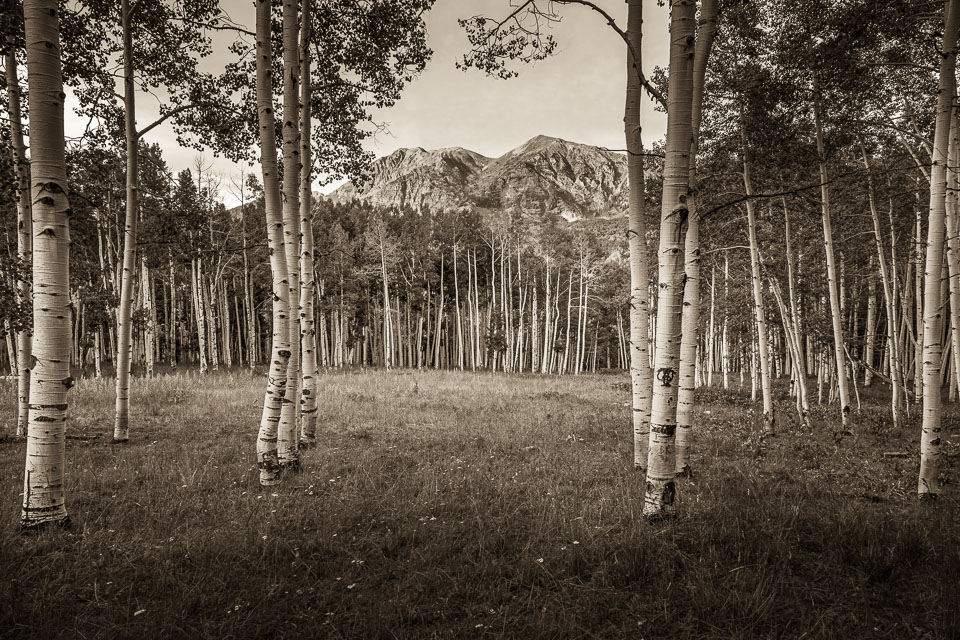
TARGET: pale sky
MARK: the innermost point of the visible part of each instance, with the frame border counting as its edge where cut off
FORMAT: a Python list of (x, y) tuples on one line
[(578, 94)]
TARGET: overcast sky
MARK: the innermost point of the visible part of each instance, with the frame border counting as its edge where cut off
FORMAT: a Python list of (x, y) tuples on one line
[(578, 94)]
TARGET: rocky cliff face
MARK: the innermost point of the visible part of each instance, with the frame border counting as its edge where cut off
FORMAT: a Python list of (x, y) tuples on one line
[(544, 176)]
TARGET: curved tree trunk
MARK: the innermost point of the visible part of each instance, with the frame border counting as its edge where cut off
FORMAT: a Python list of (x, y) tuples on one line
[(928, 485), (661, 459), (267, 458), (43, 492), (308, 332)]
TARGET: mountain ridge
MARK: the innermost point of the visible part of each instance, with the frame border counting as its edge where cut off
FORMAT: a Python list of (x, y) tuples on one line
[(544, 175)]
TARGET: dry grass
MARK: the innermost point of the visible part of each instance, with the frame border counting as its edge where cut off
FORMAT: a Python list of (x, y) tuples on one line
[(462, 505)]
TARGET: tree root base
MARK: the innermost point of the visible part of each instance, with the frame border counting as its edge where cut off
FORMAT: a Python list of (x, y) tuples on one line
[(120, 441)]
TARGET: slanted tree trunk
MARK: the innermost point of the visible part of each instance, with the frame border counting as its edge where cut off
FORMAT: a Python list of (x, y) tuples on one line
[(835, 312), (759, 319), (43, 492), (660, 495), (308, 331), (928, 485), (267, 457)]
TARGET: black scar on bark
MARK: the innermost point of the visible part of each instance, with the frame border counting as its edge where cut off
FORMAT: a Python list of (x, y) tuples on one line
[(30, 528)]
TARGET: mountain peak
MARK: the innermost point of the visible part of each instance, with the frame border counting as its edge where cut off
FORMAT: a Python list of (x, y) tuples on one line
[(570, 180)]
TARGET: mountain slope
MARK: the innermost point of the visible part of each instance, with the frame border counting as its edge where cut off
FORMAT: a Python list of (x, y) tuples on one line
[(546, 176)]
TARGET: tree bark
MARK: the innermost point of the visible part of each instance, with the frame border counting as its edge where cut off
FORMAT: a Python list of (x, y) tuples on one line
[(121, 429), (267, 457), (660, 495), (930, 440), (43, 491)]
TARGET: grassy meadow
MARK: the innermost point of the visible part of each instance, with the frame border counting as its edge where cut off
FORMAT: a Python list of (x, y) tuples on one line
[(459, 505)]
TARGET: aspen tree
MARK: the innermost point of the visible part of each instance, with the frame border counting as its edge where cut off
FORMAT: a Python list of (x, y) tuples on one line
[(308, 436), (661, 459), (121, 428), (953, 247), (24, 230), (641, 376), (759, 313), (43, 490), (835, 312), (287, 444), (928, 485), (267, 456), (691, 290)]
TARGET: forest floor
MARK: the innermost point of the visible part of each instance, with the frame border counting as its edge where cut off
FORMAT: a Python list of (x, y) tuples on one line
[(476, 505)]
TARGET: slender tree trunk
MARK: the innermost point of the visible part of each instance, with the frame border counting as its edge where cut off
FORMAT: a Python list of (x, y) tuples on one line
[(150, 323), (759, 313), (267, 457), (121, 429), (835, 312), (288, 439), (690, 322), (308, 331), (24, 232), (930, 440), (660, 495), (43, 492), (641, 376)]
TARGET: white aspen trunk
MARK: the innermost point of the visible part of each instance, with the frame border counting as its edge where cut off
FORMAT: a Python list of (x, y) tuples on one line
[(577, 352), (930, 439), (918, 301), (889, 298), (838, 343), (308, 330), (473, 348), (660, 496), (871, 328), (199, 314), (712, 331), (566, 343), (456, 298), (174, 317), (387, 324), (43, 491), (797, 337), (953, 249), (121, 429), (641, 375), (759, 313), (267, 456), (547, 334), (725, 338), (148, 331), (24, 234), (287, 436), (690, 322)]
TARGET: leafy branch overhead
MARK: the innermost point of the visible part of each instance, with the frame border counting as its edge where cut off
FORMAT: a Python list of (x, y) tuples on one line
[(520, 37)]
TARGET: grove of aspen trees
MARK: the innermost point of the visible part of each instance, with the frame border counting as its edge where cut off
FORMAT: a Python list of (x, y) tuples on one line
[(791, 240)]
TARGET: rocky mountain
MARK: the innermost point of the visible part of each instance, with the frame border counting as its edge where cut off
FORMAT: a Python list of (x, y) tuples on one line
[(546, 176)]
